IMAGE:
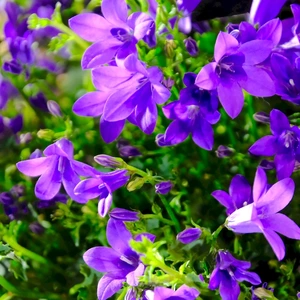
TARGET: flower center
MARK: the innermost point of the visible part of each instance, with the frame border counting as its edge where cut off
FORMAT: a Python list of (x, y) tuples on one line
[(121, 34), (290, 140), (193, 111)]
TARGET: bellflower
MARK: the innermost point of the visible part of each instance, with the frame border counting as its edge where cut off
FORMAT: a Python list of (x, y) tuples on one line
[(57, 168), (239, 194), (120, 263), (193, 114), (262, 215), (163, 187), (260, 11), (113, 35), (131, 92), (236, 68), (102, 186), (228, 272), (283, 143), (189, 235), (162, 293)]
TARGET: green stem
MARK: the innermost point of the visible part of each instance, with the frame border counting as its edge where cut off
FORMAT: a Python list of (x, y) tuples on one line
[(25, 294), (170, 213), (149, 216), (217, 232), (14, 244)]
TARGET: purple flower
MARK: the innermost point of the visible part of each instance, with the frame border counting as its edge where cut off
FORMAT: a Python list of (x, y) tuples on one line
[(193, 114), (228, 272), (55, 169), (261, 13), (223, 151), (283, 143), (102, 185), (189, 235), (262, 215), (7, 91), (162, 293), (235, 68), (163, 187), (124, 215), (114, 35), (239, 194), (120, 263), (131, 92), (126, 150), (191, 46)]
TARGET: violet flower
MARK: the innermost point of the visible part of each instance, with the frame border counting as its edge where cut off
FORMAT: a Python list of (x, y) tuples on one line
[(7, 91), (262, 215), (163, 187), (191, 46), (188, 235), (162, 293), (239, 194), (131, 92), (228, 272), (283, 143), (57, 168), (235, 68), (224, 151), (119, 263), (124, 215), (193, 114), (114, 35), (102, 185), (126, 150)]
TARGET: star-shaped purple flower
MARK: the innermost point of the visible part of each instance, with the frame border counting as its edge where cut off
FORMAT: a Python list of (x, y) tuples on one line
[(236, 68), (262, 215), (284, 143)]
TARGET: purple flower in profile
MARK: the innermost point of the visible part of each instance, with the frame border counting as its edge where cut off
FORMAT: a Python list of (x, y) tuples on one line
[(191, 46), (239, 194), (228, 272), (114, 35), (189, 235), (124, 215), (129, 93), (284, 143), (163, 187), (57, 168), (193, 114), (119, 263), (102, 185), (162, 293), (235, 68), (262, 215)]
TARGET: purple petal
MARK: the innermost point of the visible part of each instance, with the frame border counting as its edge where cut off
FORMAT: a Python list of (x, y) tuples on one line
[(275, 242), (90, 27), (140, 23), (49, 183), (215, 279), (111, 130), (108, 286), (229, 288), (188, 235), (115, 11), (124, 215), (266, 146), (242, 275), (160, 94), (258, 82), (203, 134), (283, 225), (104, 204), (127, 49), (223, 198), (186, 292), (133, 277), (272, 31), (83, 169), (231, 97), (285, 164), (207, 78), (278, 122), (89, 187), (260, 184), (132, 64), (62, 147), (225, 44), (91, 104), (256, 51), (277, 197), (36, 167), (240, 191)]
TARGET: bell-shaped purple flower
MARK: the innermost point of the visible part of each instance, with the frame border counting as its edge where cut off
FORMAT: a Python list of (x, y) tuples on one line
[(239, 194), (57, 168), (262, 216), (235, 68), (283, 143), (163, 187), (189, 235), (228, 272), (102, 185)]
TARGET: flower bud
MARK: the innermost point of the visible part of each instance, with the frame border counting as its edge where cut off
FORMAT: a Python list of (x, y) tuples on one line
[(54, 108), (262, 117), (191, 46), (45, 134), (109, 161), (189, 235), (124, 215), (267, 165), (224, 151), (169, 48), (163, 187), (168, 83), (36, 154), (37, 228)]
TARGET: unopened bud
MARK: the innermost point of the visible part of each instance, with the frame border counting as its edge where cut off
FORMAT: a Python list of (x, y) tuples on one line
[(262, 117), (189, 235), (124, 215), (163, 187), (191, 46), (45, 134), (109, 161), (224, 151), (54, 108)]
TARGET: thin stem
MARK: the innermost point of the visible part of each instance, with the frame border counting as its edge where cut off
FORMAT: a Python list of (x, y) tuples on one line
[(149, 216), (170, 213)]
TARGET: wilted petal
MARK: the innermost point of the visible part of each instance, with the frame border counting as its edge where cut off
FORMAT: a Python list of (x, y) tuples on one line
[(275, 242), (90, 27), (91, 104), (225, 44), (266, 146), (108, 286), (207, 78)]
